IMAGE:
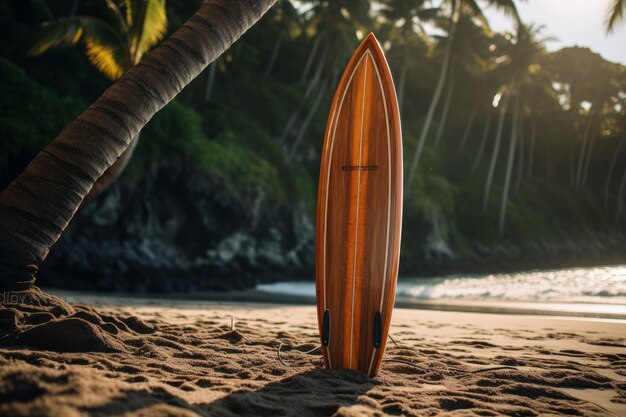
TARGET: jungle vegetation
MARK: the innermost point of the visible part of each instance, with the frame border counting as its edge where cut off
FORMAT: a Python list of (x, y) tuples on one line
[(503, 140)]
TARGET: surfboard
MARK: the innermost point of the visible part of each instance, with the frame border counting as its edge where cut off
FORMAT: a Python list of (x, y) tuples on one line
[(359, 214)]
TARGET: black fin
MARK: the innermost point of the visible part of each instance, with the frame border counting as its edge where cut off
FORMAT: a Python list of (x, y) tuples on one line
[(326, 328)]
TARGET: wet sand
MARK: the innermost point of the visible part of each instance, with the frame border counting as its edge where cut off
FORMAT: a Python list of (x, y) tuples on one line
[(193, 358)]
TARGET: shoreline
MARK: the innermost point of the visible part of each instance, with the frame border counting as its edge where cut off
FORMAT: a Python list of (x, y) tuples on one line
[(583, 310)]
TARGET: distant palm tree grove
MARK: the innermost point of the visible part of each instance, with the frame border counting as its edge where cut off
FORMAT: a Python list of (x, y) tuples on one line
[(510, 151)]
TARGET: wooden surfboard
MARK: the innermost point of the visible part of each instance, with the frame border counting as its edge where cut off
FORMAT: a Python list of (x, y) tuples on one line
[(359, 214)]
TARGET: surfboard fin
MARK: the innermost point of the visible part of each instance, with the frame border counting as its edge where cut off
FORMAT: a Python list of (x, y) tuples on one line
[(326, 328)]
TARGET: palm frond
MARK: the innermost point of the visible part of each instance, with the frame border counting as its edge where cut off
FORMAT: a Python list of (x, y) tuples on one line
[(60, 33), (154, 24), (70, 31), (507, 7), (107, 58), (617, 9), (115, 15), (130, 7)]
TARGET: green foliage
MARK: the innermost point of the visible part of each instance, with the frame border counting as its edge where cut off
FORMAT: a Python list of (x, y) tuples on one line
[(114, 42), (30, 114), (239, 136), (241, 157)]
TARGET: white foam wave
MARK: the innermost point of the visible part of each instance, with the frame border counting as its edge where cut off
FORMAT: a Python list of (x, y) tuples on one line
[(606, 284)]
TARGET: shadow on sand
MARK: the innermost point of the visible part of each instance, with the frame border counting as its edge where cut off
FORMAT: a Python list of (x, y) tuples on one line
[(319, 392)]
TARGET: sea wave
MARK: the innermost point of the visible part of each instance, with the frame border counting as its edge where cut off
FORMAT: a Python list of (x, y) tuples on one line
[(606, 284)]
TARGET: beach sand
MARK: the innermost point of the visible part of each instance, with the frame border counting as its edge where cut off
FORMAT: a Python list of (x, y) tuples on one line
[(186, 359)]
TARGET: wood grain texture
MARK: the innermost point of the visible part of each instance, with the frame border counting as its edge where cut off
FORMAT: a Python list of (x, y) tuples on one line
[(359, 211)]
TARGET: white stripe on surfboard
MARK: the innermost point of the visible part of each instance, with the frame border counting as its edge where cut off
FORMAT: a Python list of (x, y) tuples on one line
[(330, 158), (358, 197), (382, 292)]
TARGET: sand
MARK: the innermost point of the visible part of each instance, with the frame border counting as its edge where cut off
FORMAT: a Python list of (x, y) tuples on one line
[(171, 358)]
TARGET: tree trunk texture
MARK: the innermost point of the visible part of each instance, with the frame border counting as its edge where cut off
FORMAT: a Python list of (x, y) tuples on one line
[(38, 205), (609, 175), (496, 150), (509, 165), (469, 126), (274, 55), (483, 141), (446, 108), (113, 172), (433, 104)]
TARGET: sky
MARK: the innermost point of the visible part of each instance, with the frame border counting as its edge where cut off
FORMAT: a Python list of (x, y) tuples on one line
[(570, 22)]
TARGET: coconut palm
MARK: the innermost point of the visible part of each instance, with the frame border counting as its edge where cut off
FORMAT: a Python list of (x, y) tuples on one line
[(525, 51), (38, 205), (114, 43), (469, 57), (616, 12), (287, 20), (455, 9), (407, 18), (334, 24), (590, 102)]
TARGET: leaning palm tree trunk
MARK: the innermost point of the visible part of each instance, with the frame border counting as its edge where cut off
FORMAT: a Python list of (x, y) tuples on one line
[(531, 151), (403, 72), (307, 121), (520, 154), (592, 141), (309, 61), (609, 175), (39, 204), (446, 108), (469, 126), (509, 166), (483, 142), (583, 151), (114, 171), (496, 150), (433, 104), (274, 55)]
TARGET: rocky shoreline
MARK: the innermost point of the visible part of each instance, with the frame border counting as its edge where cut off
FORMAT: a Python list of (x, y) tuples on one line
[(176, 232)]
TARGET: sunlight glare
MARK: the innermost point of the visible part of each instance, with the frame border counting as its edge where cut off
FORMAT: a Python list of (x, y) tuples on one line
[(496, 99)]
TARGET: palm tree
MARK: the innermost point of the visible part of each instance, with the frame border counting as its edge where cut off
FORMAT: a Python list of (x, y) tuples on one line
[(407, 18), (38, 205), (335, 23), (456, 9), (113, 45), (524, 55), (469, 56), (287, 19), (617, 9)]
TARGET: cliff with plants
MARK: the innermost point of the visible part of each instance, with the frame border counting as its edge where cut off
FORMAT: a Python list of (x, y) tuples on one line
[(514, 155)]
